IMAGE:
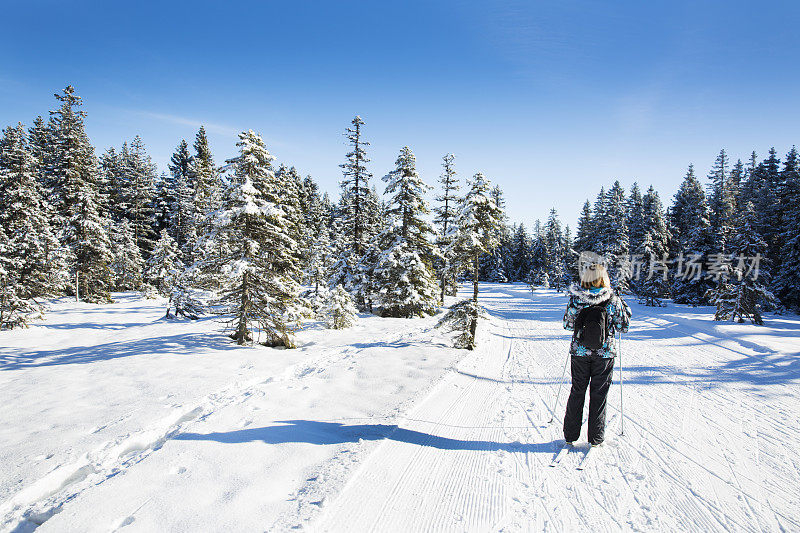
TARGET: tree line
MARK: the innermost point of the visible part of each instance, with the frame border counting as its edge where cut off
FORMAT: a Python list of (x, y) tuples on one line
[(733, 243), (265, 244), (271, 250)]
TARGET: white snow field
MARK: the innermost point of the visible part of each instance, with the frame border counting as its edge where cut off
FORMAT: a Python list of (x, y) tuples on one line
[(115, 419)]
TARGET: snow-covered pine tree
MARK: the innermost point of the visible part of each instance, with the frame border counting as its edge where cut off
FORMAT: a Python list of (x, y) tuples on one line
[(751, 183), (111, 187), (290, 185), (127, 265), (599, 223), (256, 255), (355, 190), (740, 295), (735, 179), (205, 176), (615, 236), (520, 253), (584, 239), (320, 262), (569, 266), (77, 176), (140, 178), (15, 310), (463, 319), (494, 267), (652, 285), (405, 285), (555, 257), (721, 202), (339, 311), (184, 300), (446, 213), (539, 257), (477, 229), (768, 206), (182, 225), (41, 268), (164, 202), (635, 220), (164, 265), (787, 278), (692, 239), (41, 146)]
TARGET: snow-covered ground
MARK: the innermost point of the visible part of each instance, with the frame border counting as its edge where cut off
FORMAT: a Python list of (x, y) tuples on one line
[(113, 418)]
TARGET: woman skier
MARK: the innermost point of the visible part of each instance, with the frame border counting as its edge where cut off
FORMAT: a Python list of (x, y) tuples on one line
[(594, 313)]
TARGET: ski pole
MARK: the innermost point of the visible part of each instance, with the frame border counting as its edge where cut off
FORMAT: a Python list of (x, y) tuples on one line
[(621, 411), (561, 382)]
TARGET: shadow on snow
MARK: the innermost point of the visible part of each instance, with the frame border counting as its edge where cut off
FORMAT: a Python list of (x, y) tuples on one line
[(314, 432)]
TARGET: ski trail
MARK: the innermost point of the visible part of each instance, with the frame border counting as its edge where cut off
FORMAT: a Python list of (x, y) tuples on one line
[(700, 452)]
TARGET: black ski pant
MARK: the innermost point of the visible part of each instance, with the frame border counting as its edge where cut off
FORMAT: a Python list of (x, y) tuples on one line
[(594, 373)]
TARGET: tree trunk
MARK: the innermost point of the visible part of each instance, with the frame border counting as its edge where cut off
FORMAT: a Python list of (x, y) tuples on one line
[(475, 278), (241, 328)]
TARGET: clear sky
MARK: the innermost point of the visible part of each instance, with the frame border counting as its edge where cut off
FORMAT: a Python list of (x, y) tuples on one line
[(550, 100)]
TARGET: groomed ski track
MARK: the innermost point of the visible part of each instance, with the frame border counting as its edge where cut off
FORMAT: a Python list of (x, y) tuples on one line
[(710, 437)]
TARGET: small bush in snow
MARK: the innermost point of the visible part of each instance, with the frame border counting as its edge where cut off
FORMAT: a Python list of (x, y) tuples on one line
[(339, 310), (149, 292), (463, 318), (185, 301), (315, 300)]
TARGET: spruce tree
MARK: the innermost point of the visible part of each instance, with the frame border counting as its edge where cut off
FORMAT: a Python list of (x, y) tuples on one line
[(599, 223), (721, 200), (615, 235), (32, 245), (127, 265), (404, 284), (111, 184), (446, 213), (183, 225), (521, 253), (355, 189), (477, 229), (140, 177), (584, 239), (164, 202), (77, 177), (407, 244), (164, 267), (635, 219), (736, 178), (539, 258), (257, 256), (742, 292), (787, 277), (554, 243), (692, 241), (41, 145), (338, 310), (494, 267), (653, 250), (15, 309), (204, 176)]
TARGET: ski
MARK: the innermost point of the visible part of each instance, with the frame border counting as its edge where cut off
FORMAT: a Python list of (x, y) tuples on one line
[(561, 453), (587, 459)]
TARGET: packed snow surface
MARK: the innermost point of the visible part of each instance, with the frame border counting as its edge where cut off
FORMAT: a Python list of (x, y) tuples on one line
[(114, 418)]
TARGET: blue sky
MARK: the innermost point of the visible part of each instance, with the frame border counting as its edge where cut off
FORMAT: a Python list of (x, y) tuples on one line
[(550, 100)]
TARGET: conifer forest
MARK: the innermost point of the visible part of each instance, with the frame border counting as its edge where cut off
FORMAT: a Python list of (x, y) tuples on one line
[(262, 245)]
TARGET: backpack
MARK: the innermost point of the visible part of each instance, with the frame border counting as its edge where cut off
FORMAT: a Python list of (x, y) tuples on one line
[(591, 326)]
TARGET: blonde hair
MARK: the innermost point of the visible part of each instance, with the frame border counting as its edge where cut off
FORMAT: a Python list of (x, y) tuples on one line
[(595, 275)]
